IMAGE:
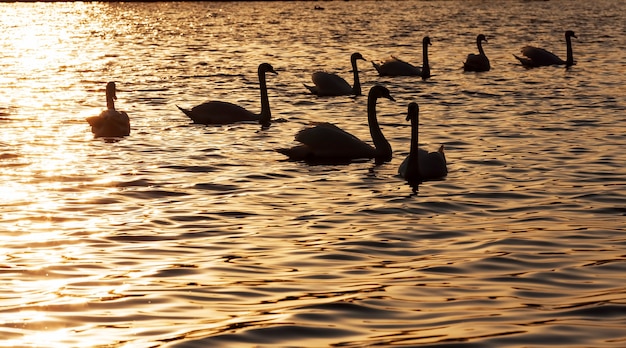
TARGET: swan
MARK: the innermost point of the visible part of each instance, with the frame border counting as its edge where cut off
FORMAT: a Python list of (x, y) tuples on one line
[(327, 84), (327, 143), (477, 62), (420, 165), (534, 57), (110, 122), (220, 112), (396, 67)]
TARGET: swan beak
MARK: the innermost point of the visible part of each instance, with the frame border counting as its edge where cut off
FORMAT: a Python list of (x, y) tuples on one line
[(273, 71), (390, 98)]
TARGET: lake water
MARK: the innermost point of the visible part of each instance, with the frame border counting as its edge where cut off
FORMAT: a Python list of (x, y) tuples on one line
[(184, 235)]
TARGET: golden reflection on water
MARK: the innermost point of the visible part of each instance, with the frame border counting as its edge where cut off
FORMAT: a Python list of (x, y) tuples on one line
[(175, 232), (44, 338)]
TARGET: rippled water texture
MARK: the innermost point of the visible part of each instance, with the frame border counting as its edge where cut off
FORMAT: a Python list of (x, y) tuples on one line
[(185, 235)]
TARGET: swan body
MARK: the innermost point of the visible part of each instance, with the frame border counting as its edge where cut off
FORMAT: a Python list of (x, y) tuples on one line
[(220, 112), (327, 84), (421, 165), (110, 122), (396, 67), (477, 62), (327, 143), (535, 57)]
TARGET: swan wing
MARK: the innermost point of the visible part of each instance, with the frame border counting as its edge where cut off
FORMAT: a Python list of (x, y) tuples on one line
[(330, 84), (396, 67), (325, 140), (110, 123), (476, 62), (405, 163), (403, 167), (541, 57), (432, 165), (220, 112)]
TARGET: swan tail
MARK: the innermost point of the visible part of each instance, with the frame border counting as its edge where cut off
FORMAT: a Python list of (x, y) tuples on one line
[(376, 66), (311, 89), (296, 153), (186, 112), (525, 61), (93, 120)]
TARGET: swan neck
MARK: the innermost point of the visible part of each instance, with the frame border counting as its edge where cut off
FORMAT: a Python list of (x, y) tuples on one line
[(356, 88), (570, 52), (480, 47), (412, 170), (383, 148), (266, 114), (110, 96), (426, 66)]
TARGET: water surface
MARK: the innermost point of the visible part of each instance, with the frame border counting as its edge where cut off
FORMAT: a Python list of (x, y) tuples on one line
[(185, 235)]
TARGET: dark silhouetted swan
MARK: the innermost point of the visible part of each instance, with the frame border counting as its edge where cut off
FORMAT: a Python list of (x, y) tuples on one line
[(420, 165), (219, 112), (110, 122), (327, 143), (534, 57), (477, 62), (396, 67), (327, 84)]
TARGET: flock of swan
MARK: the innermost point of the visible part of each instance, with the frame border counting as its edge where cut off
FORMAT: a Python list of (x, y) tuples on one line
[(326, 142)]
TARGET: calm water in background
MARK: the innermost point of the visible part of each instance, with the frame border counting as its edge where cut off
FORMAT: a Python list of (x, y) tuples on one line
[(185, 235)]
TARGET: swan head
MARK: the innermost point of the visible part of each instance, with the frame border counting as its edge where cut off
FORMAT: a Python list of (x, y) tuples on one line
[(355, 56), (570, 33), (481, 37), (379, 91), (426, 41), (414, 111), (266, 67)]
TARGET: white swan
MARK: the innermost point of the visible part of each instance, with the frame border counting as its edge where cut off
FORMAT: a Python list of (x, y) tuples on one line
[(534, 57), (327, 143), (477, 62), (110, 122), (219, 112), (327, 84), (420, 165), (396, 67)]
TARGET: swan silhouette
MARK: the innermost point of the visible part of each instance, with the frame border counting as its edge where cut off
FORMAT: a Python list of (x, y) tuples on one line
[(220, 112), (477, 62), (327, 143), (534, 57), (396, 67), (420, 165), (327, 84), (110, 122)]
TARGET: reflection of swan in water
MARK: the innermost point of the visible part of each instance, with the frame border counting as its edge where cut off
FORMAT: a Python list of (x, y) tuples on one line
[(219, 112), (327, 84), (534, 57), (420, 165), (327, 143), (477, 62), (110, 122), (396, 67)]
